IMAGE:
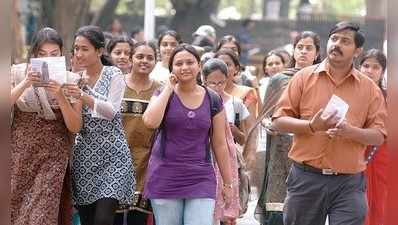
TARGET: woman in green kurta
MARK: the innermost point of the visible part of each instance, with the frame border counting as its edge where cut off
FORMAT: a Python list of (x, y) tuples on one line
[(277, 164)]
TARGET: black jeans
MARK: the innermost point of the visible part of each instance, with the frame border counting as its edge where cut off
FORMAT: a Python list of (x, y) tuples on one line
[(312, 196), (101, 212)]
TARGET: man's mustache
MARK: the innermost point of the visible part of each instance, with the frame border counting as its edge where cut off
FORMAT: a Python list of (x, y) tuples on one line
[(336, 49)]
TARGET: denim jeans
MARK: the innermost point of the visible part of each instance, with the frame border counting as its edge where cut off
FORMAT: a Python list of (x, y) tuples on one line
[(195, 211)]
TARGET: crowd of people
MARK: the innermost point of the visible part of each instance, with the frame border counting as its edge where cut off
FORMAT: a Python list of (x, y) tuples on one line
[(168, 133)]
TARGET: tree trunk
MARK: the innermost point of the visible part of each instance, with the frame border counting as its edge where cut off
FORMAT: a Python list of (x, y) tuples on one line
[(252, 7), (284, 10), (17, 46), (47, 13), (70, 18), (304, 2), (190, 14), (105, 16), (64, 16), (376, 9)]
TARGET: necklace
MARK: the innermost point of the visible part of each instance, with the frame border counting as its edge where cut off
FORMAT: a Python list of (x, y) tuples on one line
[(92, 80)]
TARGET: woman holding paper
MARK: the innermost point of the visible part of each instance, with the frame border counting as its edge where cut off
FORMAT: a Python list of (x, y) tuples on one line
[(373, 64), (41, 127), (102, 169), (277, 164)]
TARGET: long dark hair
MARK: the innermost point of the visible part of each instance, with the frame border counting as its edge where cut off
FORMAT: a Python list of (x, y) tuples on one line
[(381, 59), (144, 43), (273, 52), (119, 39), (317, 42), (232, 55), (226, 39), (44, 35), (180, 48), (170, 33), (96, 37)]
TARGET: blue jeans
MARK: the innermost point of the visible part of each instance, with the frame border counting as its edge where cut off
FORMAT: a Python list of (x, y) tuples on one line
[(194, 211)]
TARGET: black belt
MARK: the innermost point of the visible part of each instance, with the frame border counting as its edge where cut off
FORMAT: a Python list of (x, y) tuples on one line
[(312, 169)]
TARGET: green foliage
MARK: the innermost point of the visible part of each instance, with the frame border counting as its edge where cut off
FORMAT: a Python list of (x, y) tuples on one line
[(333, 8), (346, 7), (246, 7), (131, 7)]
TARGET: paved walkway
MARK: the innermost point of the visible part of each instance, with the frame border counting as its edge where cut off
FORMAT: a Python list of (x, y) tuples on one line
[(248, 217)]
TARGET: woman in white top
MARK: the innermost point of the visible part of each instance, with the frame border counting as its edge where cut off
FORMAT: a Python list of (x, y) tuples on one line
[(215, 73), (167, 42), (236, 111)]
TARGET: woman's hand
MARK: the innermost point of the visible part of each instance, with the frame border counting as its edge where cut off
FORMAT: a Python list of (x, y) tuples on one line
[(229, 221), (31, 77), (234, 130), (73, 90), (172, 82), (238, 135), (227, 194), (55, 89)]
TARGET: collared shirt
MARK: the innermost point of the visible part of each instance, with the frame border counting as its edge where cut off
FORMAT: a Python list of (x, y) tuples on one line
[(309, 91)]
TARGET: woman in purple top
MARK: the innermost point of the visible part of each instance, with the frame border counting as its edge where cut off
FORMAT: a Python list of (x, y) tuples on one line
[(181, 181)]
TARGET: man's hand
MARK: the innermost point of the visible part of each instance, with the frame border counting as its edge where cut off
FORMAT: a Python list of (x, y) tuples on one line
[(318, 123), (342, 130), (267, 124)]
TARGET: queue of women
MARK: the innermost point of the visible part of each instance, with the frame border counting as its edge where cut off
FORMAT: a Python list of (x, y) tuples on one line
[(153, 134)]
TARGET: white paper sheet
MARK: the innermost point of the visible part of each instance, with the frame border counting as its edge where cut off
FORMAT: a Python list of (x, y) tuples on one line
[(336, 104), (56, 68)]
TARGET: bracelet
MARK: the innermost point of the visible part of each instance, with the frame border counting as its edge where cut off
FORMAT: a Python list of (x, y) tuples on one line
[(312, 129)]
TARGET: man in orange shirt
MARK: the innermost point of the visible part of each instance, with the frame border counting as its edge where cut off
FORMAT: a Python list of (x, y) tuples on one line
[(327, 173)]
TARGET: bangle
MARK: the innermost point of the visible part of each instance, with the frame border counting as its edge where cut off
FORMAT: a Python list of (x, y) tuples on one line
[(312, 129), (228, 186)]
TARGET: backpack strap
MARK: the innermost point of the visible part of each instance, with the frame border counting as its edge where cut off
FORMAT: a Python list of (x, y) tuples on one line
[(161, 131), (214, 98)]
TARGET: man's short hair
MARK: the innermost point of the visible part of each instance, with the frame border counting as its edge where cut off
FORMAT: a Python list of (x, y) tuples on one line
[(359, 37)]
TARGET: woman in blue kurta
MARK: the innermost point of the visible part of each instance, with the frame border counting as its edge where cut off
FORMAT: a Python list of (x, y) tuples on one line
[(102, 169)]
